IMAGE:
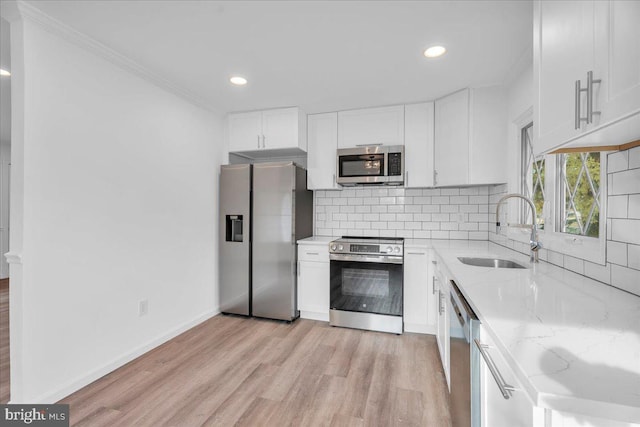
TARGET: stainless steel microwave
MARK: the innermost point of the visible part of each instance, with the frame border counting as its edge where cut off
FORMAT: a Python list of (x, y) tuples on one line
[(376, 164)]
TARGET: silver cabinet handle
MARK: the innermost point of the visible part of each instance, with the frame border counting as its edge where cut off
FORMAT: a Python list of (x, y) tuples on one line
[(506, 389), (313, 253), (258, 140), (406, 178), (590, 82), (440, 306), (264, 143), (433, 285), (435, 177), (298, 266), (335, 182), (416, 253), (578, 118), (368, 145)]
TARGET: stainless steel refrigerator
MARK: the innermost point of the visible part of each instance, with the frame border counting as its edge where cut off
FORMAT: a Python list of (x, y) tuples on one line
[(264, 209)]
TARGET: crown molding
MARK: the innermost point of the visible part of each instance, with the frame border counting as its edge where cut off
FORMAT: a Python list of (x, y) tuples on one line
[(54, 26)]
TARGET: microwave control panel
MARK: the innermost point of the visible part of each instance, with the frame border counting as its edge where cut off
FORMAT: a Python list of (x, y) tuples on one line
[(395, 164)]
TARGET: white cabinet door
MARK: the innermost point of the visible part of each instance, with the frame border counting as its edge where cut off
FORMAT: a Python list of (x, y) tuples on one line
[(488, 141), (517, 411), (280, 128), (244, 131), (418, 145), (452, 139), (442, 336), (418, 295), (321, 154), (371, 126), (617, 56), (313, 290)]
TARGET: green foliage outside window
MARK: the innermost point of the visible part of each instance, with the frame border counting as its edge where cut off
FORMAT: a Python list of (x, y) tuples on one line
[(581, 193)]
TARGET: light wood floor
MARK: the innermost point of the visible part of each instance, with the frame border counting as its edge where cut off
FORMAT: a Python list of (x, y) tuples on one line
[(4, 340), (237, 371)]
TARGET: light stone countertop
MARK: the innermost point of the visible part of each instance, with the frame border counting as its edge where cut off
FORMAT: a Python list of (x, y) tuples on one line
[(572, 342), (316, 240)]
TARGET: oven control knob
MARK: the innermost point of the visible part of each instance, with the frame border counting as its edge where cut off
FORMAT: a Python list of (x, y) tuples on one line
[(396, 249), (340, 247), (389, 249), (334, 247)]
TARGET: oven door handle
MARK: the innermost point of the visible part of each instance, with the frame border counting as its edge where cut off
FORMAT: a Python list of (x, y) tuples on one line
[(382, 259)]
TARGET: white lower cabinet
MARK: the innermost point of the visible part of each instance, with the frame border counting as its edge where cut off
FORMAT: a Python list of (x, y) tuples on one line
[(313, 281), (517, 410), (419, 313), (439, 281)]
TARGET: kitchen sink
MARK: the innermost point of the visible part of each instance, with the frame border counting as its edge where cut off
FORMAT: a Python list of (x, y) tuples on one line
[(490, 262)]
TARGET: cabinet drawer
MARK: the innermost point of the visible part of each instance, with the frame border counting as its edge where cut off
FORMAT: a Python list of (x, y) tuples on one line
[(318, 253)]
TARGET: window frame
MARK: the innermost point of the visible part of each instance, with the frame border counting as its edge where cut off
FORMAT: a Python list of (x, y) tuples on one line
[(587, 248)]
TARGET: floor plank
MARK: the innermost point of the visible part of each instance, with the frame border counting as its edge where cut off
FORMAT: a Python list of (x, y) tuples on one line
[(251, 372), (4, 341)]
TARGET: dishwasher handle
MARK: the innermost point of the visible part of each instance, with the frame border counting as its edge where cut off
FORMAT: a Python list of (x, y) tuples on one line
[(506, 389)]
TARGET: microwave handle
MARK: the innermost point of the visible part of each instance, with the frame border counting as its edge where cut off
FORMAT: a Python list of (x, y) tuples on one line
[(367, 145)]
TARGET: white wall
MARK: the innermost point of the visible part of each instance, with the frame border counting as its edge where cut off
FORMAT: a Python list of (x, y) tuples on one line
[(120, 203)]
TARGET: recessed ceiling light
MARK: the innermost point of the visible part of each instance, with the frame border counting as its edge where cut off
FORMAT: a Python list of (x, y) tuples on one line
[(238, 81), (4, 73), (435, 51)]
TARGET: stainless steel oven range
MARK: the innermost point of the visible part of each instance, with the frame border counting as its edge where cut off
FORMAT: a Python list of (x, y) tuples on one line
[(366, 283)]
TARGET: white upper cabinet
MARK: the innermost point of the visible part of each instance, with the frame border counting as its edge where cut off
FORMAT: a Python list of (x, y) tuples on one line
[(617, 58), (279, 131), (244, 131), (452, 139), (418, 145), (321, 158), (371, 126), (470, 137), (586, 73)]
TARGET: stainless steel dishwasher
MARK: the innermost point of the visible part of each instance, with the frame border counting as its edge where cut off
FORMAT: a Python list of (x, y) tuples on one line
[(464, 328)]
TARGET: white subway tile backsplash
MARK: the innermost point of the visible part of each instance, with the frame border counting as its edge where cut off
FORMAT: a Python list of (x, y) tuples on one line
[(413, 225), (625, 278), (459, 235), (439, 234), (633, 256), (431, 192), (379, 208), (388, 217), (347, 209), (471, 191), (449, 226), (404, 217), (617, 206), (634, 158), (363, 209), (599, 272), (449, 208), (413, 192), (440, 200), (626, 182), (421, 234), (574, 264), (371, 217), (634, 206), (617, 252), (354, 217), (431, 226), (396, 208), (440, 217), (387, 200), (625, 230), (459, 200), (413, 208), (450, 191), (618, 161), (478, 200), (430, 208), (355, 201), (395, 225)]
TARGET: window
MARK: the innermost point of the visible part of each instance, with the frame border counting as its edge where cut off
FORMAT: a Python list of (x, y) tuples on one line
[(532, 180), (579, 194)]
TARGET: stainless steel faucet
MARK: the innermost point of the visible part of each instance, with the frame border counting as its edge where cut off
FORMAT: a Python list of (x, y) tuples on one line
[(533, 240)]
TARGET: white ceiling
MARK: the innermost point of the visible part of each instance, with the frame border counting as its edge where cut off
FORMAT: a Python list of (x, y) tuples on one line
[(319, 55)]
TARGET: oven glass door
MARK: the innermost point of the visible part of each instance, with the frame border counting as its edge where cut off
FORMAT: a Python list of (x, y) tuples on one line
[(361, 165), (367, 287)]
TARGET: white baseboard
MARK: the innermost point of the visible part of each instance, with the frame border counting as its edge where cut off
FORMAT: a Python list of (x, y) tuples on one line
[(313, 315), (419, 328), (78, 383)]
